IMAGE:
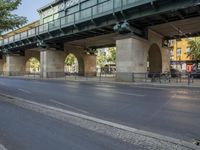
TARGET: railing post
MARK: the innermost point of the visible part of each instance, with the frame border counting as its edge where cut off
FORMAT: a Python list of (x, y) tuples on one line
[(145, 77), (75, 19), (100, 76), (133, 77), (113, 6), (160, 74), (188, 78), (177, 76)]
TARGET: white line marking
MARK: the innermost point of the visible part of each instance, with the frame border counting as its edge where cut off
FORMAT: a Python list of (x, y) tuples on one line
[(121, 93), (25, 91), (72, 86), (69, 106), (130, 94), (155, 88), (2, 147), (106, 86)]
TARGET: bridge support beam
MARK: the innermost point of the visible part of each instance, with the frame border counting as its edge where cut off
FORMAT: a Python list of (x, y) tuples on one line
[(15, 65), (89, 65), (52, 63), (130, 58), (1, 66), (136, 56)]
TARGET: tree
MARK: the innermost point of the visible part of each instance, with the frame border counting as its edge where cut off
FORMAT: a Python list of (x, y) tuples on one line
[(194, 46), (70, 60), (34, 64), (106, 57), (9, 21), (101, 58), (112, 55)]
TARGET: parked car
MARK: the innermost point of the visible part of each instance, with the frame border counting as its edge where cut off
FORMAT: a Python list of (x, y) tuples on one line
[(195, 73)]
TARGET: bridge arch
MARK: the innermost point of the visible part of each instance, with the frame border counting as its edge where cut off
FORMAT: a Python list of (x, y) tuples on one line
[(32, 65), (76, 64), (155, 59)]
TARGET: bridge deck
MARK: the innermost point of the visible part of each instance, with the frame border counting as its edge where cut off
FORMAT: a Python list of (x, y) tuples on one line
[(99, 19)]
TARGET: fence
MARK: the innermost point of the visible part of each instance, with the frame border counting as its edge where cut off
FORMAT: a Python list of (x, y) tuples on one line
[(100, 76), (185, 78), (160, 78)]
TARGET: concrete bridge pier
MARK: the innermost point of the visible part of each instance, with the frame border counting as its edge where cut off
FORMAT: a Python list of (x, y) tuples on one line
[(1, 64), (90, 65), (52, 63), (139, 56), (15, 65)]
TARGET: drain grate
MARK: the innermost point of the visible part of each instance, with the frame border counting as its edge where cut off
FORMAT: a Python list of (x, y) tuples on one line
[(196, 142)]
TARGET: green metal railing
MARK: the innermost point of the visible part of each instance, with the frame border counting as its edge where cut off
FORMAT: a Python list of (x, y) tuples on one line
[(95, 11)]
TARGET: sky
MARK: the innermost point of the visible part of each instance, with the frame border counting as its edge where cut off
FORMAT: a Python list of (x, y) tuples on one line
[(28, 9)]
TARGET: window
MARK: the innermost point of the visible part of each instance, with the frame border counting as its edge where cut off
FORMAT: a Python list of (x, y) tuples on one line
[(171, 52), (88, 4), (172, 58), (48, 19), (188, 50), (178, 52), (72, 10)]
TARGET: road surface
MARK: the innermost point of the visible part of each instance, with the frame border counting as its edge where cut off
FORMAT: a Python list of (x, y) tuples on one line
[(166, 111)]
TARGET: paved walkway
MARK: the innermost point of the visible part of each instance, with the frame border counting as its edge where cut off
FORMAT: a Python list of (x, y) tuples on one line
[(111, 79)]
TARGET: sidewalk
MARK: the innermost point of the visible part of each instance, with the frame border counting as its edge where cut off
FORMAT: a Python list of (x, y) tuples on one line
[(111, 80)]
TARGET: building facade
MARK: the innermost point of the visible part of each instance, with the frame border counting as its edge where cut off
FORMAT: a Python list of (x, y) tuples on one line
[(179, 55)]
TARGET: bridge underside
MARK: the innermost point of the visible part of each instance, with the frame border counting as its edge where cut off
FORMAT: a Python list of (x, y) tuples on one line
[(179, 29)]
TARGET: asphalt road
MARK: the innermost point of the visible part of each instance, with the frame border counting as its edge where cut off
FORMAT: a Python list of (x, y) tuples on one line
[(167, 111), (22, 129)]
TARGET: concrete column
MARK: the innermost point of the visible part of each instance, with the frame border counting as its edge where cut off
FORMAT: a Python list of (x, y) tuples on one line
[(166, 60), (1, 65), (89, 65), (52, 63), (131, 57), (15, 65), (155, 38)]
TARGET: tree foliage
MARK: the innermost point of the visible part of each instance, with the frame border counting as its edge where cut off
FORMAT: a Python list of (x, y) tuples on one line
[(101, 58), (7, 19), (112, 55), (194, 49), (106, 57), (70, 60), (34, 64)]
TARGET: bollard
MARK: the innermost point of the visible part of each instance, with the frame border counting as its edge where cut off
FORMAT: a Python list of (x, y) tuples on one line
[(133, 77), (100, 77), (188, 78)]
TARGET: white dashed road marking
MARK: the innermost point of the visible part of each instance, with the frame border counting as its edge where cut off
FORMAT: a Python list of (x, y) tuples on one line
[(25, 91), (69, 106), (118, 92)]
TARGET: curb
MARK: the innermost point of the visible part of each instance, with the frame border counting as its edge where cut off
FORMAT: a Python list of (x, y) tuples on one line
[(115, 82)]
